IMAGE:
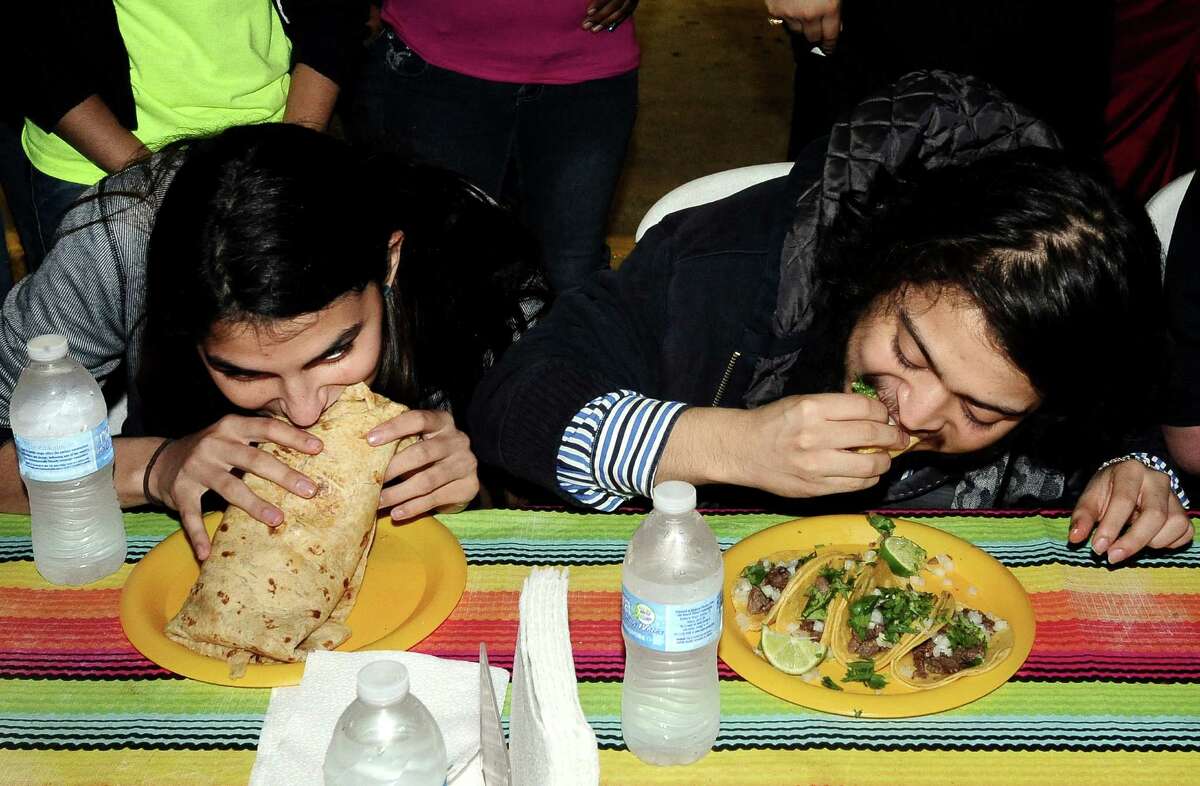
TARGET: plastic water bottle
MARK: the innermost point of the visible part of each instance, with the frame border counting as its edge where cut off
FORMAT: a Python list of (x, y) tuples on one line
[(385, 736), (60, 425), (671, 586)]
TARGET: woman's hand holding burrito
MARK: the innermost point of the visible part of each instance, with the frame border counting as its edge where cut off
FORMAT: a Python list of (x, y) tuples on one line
[(206, 460), (437, 473)]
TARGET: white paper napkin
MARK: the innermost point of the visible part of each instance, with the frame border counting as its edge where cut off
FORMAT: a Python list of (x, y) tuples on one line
[(550, 741), (300, 720)]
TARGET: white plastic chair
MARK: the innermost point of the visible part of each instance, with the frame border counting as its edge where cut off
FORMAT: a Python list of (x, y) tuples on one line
[(709, 188), (1163, 207)]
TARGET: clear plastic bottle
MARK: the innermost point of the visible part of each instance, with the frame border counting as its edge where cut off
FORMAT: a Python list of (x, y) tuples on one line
[(60, 424), (671, 585), (386, 735)]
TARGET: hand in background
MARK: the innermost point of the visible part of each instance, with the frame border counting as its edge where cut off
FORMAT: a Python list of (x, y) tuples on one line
[(1130, 493), (819, 21), (607, 14)]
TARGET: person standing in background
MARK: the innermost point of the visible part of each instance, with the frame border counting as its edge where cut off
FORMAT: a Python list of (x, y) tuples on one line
[(1049, 57), (534, 100), (1153, 115), (106, 82)]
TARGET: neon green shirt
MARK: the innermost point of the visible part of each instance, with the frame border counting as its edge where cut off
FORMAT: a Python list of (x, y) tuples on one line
[(196, 67)]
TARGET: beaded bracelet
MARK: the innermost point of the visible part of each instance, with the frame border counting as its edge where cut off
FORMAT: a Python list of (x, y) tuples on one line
[(1153, 462)]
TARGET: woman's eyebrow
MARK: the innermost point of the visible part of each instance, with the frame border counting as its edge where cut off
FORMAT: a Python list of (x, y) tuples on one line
[(344, 338), (225, 367), (911, 327)]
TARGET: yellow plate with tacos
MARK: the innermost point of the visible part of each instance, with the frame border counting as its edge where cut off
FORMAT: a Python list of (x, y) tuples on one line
[(415, 575), (830, 613)]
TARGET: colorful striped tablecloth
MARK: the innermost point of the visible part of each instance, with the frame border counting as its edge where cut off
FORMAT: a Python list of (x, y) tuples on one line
[(1109, 695)]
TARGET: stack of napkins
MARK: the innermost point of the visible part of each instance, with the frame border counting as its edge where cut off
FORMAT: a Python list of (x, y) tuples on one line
[(300, 720), (550, 742)]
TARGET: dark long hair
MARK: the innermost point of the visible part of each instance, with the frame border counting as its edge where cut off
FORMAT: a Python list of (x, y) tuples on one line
[(1067, 276), (270, 222)]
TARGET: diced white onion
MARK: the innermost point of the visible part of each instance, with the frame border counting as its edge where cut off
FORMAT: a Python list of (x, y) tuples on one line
[(938, 571), (906, 671), (793, 627), (941, 645), (999, 624), (769, 591), (849, 565), (818, 626), (882, 642), (975, 617), (876, 617)]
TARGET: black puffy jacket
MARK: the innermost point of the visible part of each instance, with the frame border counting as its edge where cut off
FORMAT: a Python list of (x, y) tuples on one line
[(713, 306)]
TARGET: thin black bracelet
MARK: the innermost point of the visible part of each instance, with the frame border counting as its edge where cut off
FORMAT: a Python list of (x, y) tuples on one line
[(153, 500)]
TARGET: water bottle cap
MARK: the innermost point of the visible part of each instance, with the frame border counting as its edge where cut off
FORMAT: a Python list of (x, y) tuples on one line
[(46, 348), (382, 682), (674, 497)]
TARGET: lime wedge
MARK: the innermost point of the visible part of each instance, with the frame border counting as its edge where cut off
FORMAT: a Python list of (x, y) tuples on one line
[(904, 557), (791, 654)]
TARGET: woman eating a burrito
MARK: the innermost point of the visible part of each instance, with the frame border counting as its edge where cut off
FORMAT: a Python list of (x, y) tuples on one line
[(235, 285)]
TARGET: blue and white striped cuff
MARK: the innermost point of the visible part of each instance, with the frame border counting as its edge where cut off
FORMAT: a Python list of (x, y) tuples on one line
[(610, 449), (1154, 462)]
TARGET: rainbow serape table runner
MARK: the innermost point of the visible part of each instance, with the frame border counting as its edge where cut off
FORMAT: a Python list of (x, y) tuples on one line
[(1109, 695)]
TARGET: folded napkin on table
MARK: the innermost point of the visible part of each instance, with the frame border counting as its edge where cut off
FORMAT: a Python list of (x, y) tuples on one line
[(550, 742), (300, 720)]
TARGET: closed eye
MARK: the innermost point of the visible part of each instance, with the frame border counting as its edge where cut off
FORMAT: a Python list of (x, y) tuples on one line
[(900, 356)]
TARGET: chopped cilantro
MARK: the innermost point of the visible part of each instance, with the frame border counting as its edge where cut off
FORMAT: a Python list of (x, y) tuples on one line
[(864, 671), (963, 633), (828, 683), (818, 600), (863, 388), (754, 573), (901, 609), (882, 524), (860, 615)]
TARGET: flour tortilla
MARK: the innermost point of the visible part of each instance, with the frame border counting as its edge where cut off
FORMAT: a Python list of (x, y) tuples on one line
[(274, 594)]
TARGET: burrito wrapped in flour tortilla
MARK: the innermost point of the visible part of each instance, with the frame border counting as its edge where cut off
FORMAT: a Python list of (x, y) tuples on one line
[(273, 594)]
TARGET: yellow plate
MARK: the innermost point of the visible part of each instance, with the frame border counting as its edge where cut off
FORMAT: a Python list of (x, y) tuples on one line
[(997, 591), (415, 575)]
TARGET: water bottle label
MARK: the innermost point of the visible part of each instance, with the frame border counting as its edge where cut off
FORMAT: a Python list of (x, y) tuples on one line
[(670, 627), (65, 458)]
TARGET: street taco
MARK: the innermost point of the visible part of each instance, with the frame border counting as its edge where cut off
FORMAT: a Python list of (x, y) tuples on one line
[(967, 642), (863, 388), (815, 596), (762, 583), (880, 622), (274, 594)]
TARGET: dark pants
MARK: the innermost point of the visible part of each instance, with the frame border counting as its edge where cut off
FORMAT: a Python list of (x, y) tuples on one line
[(51, 197), (14, 180), (556, 149)]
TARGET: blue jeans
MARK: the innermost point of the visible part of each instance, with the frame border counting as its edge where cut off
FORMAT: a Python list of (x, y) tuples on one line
[(51, 197), (556, 149)]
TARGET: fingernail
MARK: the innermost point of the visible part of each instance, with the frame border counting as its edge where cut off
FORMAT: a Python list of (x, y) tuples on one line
[(398, 513), (1099, 545), (372, 438), (313, 443), (1116, 555), (306, 488), (274, 517)]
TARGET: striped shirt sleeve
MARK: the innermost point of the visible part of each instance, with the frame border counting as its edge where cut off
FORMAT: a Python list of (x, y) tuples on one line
[(610, 449)]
